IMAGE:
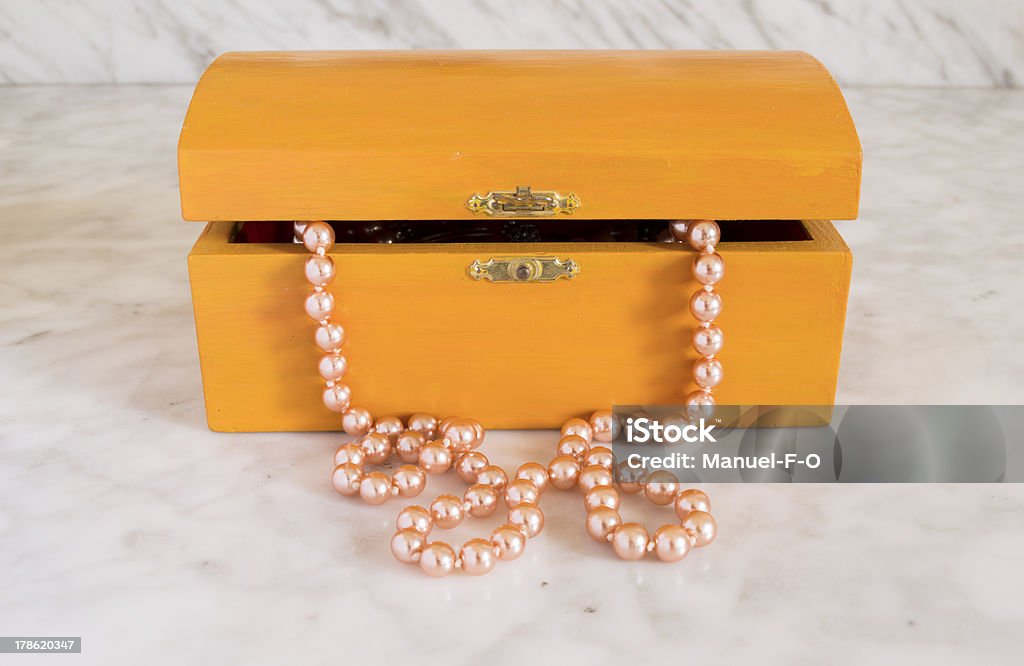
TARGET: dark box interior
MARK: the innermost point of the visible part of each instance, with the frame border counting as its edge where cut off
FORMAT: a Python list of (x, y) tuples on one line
[(519, 231)]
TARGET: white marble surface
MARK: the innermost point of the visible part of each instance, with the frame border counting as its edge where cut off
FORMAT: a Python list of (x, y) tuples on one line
[(864, 42), (123, 520)]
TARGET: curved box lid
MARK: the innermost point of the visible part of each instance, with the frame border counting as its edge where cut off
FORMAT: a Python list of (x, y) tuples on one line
[(367, 135)]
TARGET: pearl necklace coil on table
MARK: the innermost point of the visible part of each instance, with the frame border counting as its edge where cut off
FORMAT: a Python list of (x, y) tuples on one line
[(428, 445)]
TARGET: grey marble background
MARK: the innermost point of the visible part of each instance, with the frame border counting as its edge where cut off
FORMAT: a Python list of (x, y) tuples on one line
[(125, 521), (863, 42)]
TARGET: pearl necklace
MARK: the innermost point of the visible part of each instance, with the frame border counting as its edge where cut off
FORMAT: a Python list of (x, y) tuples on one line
[(428, 445)]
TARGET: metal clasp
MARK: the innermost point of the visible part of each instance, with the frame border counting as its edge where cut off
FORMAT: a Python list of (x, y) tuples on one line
[(523, 269), (523, 203)]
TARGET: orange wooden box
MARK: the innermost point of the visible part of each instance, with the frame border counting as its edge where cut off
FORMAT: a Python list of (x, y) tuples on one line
[(393, 141)]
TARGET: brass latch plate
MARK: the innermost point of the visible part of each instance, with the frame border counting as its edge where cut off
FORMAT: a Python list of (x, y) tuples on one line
[(523, 202)]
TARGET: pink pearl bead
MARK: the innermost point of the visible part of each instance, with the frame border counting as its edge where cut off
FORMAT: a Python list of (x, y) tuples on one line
[(528, 518), (708, 340), (705, 305), (375, 488), (424, 424), (435, 458), (437, 559), (481, 500), (600, 455), (701, 526), (604, 425), (389, 426), (406, 545), (477, 557), (338, 397), (415, 517), (333, 367), (318, 237), (601, 522), (443, 424), (408, 446), (480, 431), (563, 471), (447, 511), (356, 421), (577, 426), (630, 541), (708, 372), (671, 543), (349, 453), (508, 542), (661, 487), (593, 476), (679, 229), (521, 491), (464, 435), (410, 480), (320, 271), (297, 229), (601, 496), (573, 445), (493, 476), (330, 337), (689, 500), (699, 405), (703, 235), (630, 479), (320, 305), (346, 477), (377, 448), (535, 473), (468, 465), (708, 268)]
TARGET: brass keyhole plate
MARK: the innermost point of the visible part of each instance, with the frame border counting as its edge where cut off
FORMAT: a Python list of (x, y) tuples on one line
[(523, 269)]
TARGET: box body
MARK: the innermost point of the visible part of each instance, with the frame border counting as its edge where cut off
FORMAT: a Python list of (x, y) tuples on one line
[(425, 336)]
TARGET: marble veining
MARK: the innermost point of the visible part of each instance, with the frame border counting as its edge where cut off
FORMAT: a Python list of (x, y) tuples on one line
[(123, 520), (863, 42)]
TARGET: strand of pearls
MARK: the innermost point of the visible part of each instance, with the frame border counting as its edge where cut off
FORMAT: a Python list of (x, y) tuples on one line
[(417, 447), (631, 541), (476, 557), (350, 477), (594, 471), (427, 445), (431, 446), (705, 306), (318, 237), (576, 462)]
